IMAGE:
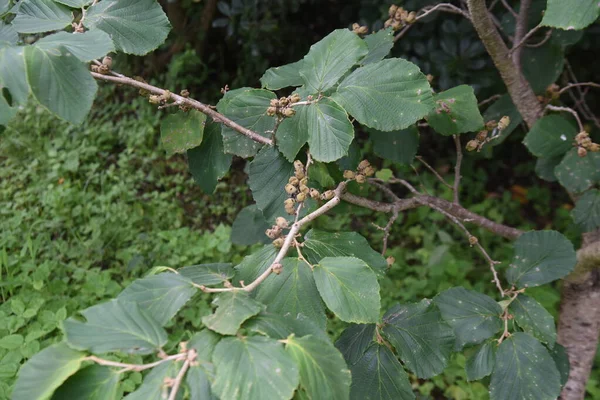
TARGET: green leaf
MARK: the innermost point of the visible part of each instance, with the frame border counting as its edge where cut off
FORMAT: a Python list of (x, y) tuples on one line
[(74, 3), (544, 168), (279, 77), (182, 131), (60, 82), (255, 264), (330, 58), (561, 359), (421, 337), (46, 371), (292, 133), (503, 107), (323, 371), (207, 274), (12, 74), (586, 213), (249, 227), (354, 341), (153, 386), (233, 308), (384, 174), (269, 173), (379, 375), (208, 162), (456, 112), (91, 383), (135, 26), (8, 35), (253, 368), (481, 361), (204, 342), (543, 65), (320, 244), (474, 316), (85, 46), (540, 257), (551, 136), (397, 146), (34, 16), (379, 44), (293, 292), (388, 95), (247, 107), (161, 296), (199, 379), (115, 326), (330, 131), (578, 174), (570, 14), (319, 175), (533, 318), (349, 288), (524, 370), (281, 327), (11, 342)]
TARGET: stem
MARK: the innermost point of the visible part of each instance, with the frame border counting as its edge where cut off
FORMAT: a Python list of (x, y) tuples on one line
[(457, 176), (521, 27), (572, 85), (178, 379), (569, 110), (134, 367), (434, 172)]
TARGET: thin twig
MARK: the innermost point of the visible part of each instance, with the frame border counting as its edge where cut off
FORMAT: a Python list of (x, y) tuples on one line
[(541, 42), (525, 38), (178, 379), (509, 8), (135, 367), (520, 28), (457, 166), (387, 230), (573, 85), (424, 12), (437, 175), (489, 100), (569, 110)]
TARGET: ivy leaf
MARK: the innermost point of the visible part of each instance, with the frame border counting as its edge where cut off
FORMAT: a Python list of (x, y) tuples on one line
[(233, 308), (292, 133), (182, 131), (323, 371), (161, 296), (330, 131), (534, 319), (354, 341), (551, 136), (281, 327), (388, 95), (207, 274), (456, 112), (397, 146), (60, 82), (12, 74), (269, 173), (379, 44), (586, 213), (249, 227), (540, 257), (578, 174), (379, 375), (35, 16), (330, 58), (135, 26), (279, 77), (293, 292), (544, 168), (320, 244), (423, 340), (349, 288), (86, 46), (503, 107), (561, 359), (474, 316), (255, 264), (480, 363), (253, 368), (247, 107), (524, 370), (570, 15), (115, 326), (94, 382), (208, 162), (152, 387), (46, 371)]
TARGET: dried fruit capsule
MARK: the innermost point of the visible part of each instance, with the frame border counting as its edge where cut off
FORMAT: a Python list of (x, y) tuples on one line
[(278, 242), (304, 189), (281, 222), (274, 103), (107, 62), (392, 10), (360, 178), (298, 165), (364, 164), (289, 202), (314, 193), (289, 112), (277, 268), (271, 111), (473, 240), (472, 145), (481, 136), (300, 197), (293, 180), (369, 171), (349, 174), (390, 261), (299, 174), (284, 101), (594, 147), (581, 152), (328, 195), (503, 123), (295, 98), (290, 189)]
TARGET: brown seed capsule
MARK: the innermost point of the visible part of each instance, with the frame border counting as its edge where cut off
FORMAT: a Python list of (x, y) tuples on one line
[(369, 171), (585, 142), (154, 99), (472, 145), (388, 23), (281, 222), (355, 26), (293, 180), (390, 261), (271, 111), (328, 195), (400, 14), (304, 181), (491, 124), (581, 152), (349, 174), (473, 240), (290, 210), (184, 93), (300, 197), (107, 62), (277, 268), (594, 147), (289, 112), (299, 174), (295, 98), (274, 103), (361, 30), (504, 122), (291, 189), (314, 194), (363, 164), (289, 202), (304, 189), (284, 101), (278, 242), (298, 165), (392, 10), (481, 135), (411, 17), (429, 78), (360, 178)]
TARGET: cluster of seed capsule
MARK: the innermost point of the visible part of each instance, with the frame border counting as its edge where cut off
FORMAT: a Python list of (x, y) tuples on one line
[(490, 132), (584, 144), (283, 107), (104, 68), (360, 29), (298, 190), (364, 170), (399, 17), (276, 231)]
